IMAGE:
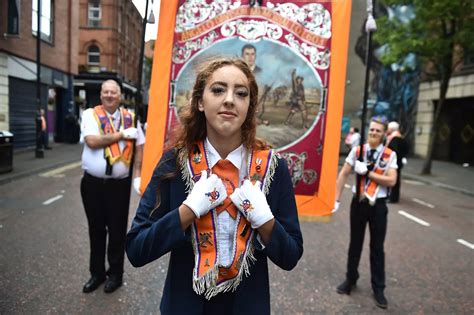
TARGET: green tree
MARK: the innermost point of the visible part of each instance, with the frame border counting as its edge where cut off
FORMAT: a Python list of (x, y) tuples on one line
[(440, 34)]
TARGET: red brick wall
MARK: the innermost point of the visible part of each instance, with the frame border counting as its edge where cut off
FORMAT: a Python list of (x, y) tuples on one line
[(61, 54), (119, 48)]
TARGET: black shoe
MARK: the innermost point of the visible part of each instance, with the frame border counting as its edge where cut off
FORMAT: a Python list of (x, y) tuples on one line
[(380, 300), (113, 283), (346, 287), (93, 283), (48, 148)]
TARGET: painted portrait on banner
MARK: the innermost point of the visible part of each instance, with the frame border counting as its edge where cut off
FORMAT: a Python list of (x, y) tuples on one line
[(291, 74), (288, 46)]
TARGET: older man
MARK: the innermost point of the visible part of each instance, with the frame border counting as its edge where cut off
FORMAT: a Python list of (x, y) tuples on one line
[(378, 171), (397, 143), (109, 134)]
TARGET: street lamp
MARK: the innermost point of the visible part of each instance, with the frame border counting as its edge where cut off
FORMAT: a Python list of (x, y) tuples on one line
[(138, 96), (151, 20), (39, 153)]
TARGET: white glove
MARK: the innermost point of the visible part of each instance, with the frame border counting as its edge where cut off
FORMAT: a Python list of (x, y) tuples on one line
[(336, 206), (404, 161), (251, 201), (130, 133), (137, 181), (360, 168), (207, 193)]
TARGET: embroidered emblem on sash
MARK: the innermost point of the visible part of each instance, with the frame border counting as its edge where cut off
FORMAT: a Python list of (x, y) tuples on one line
[(204, 239), (258, 162), (197, 155)]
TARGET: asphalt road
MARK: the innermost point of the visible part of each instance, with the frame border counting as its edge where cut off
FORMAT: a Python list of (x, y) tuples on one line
[(429, 263)]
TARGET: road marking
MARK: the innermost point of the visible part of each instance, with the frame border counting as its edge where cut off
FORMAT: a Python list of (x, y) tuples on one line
[(413, 182), (51, 200), (423, 203), (58, 171), (347, 186), (465, 243), (412, 217)]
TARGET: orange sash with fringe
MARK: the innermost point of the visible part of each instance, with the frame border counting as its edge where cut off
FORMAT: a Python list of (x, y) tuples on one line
[(112, 152), (370, 187), (209, 277)]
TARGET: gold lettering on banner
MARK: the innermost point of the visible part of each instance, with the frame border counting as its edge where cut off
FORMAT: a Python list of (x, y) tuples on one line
[(256, 12)]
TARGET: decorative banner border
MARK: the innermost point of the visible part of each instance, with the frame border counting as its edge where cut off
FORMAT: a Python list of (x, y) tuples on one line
[(325, 49)]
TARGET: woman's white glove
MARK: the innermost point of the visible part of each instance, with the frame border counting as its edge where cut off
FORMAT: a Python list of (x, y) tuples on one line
[(136, 185), (130, 133), (360, 168), (251, 201), (207, 193)]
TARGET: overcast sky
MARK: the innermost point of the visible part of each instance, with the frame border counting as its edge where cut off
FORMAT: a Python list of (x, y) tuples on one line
[(151, 29)]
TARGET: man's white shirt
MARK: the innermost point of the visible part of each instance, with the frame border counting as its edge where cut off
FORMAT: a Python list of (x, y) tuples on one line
[(93, 161), (352, 157)]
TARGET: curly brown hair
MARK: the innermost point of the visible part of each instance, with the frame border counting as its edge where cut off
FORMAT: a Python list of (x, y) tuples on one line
[(193, 122)]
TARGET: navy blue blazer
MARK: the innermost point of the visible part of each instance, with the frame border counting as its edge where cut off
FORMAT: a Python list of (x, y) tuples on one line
[(151, 237)]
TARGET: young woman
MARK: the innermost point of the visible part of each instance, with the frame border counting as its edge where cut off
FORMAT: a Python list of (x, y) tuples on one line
[(220, 202)]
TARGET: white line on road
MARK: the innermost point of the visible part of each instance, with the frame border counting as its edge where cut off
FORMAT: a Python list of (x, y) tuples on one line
[(347, 186), (465, 243), (413, 182), (423, 203), (57, 172), (51, 200), (412, 217)]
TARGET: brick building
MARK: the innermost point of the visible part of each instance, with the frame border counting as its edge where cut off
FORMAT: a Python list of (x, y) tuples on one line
[(59, 46), (110, 32)]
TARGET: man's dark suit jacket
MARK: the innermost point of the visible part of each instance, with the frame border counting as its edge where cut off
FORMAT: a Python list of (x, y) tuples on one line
[(152, 237)]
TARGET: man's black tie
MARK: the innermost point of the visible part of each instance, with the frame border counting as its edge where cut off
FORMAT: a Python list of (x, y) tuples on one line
[(371, 159)]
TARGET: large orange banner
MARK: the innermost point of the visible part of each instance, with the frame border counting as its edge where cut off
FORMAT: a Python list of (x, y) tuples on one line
[(298, 53)]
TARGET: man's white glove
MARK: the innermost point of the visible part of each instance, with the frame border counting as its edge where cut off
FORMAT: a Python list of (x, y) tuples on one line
[(336, 206), (137, 181), (207, 193), (360, 168), (130, 133), (251, 201), (404, 161)]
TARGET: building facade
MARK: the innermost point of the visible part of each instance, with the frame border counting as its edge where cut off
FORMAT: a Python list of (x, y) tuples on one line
[(455, 138), (18, 56), (110, 32)]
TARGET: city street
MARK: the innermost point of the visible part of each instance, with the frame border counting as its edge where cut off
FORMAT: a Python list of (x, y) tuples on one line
[(429, 256)]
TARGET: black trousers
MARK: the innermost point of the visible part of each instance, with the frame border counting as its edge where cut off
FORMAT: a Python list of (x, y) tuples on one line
[(106, 202), (376, 216), (395, 190)]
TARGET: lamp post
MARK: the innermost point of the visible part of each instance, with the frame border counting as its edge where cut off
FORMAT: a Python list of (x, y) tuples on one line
[(138, 96), (39, 153), (151, 20), (370, 27)]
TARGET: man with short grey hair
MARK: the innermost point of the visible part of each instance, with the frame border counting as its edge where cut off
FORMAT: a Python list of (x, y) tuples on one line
[(397, 143), (109, 135)]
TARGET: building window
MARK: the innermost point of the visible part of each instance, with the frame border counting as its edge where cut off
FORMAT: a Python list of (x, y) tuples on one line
[(47, 19), (94, 14), (93, 55), (13, 27)]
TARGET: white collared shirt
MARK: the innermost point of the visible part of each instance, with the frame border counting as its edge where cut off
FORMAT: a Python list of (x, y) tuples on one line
[(225, 223), (93, 160)]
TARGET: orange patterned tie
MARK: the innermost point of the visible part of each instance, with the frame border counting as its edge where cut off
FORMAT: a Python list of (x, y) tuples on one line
[(230, 177)]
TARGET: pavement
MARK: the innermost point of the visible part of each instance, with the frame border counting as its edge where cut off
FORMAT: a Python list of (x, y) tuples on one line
[(447, 175)]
